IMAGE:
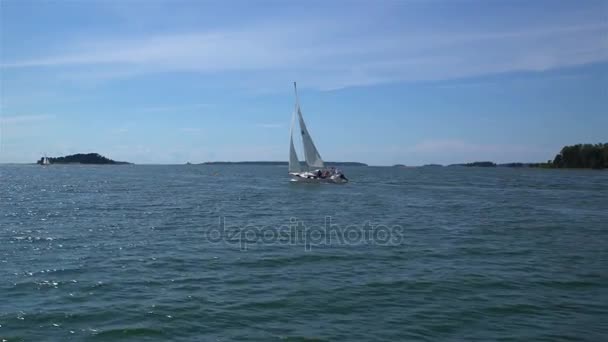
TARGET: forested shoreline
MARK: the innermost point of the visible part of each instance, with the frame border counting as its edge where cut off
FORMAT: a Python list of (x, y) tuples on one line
[(582, 156)]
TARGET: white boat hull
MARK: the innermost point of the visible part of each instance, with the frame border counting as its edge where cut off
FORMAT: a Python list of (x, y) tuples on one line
[(308, 177)]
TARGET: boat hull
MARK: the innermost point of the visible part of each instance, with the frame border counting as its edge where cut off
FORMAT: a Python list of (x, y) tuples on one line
[(308, 177)]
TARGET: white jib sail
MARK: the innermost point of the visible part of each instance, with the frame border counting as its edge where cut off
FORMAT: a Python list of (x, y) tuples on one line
[(311, 155)]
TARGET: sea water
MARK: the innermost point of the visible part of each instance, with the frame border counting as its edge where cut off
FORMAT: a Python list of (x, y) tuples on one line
[(219, 253)]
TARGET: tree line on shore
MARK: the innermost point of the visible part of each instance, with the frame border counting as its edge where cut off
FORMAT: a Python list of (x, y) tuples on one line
[(587, 156)]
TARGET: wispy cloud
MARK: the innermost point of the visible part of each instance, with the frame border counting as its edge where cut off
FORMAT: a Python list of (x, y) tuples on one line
[(174, 108), (330, 56), (462, 146), (120, 130), (450, 146), (190, 129), (269, 125), (24, 119), (442, 151), (458, 151)]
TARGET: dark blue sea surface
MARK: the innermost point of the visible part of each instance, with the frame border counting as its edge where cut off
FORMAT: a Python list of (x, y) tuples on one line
[(221, 253)]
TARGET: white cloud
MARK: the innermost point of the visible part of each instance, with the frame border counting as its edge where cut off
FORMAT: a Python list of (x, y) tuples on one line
[(450, 146), (323, 56), (440, 151), (24, 119), (269, 125), (174, 108), (138, 153), (190, 129), (447, 151), (120, 130)]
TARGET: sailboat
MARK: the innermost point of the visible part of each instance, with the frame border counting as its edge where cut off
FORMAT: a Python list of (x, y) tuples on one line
[(45, 160), (314, 170)]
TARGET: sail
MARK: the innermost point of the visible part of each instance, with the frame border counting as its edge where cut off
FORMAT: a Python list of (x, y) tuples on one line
[(311, 155), (313, 159), (294, 163)]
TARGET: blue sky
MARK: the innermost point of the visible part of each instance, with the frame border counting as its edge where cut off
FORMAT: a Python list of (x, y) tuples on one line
[(381, 82)]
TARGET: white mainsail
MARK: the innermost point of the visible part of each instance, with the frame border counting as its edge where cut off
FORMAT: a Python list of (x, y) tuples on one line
[(294, 162), (311, 154)]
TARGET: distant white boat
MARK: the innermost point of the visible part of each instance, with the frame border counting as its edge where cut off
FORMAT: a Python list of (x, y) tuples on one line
[(45, 160), (314, 170)]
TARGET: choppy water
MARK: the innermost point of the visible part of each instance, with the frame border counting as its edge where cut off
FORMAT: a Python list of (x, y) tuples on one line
[(100, 253)]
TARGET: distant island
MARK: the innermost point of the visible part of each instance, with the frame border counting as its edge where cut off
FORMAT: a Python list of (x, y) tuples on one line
[(477, 164), (278, 163), (81, 158), (515, 164)]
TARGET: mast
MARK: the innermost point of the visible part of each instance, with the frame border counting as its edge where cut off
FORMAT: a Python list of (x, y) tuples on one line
[(295, 89), (294, 162)]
